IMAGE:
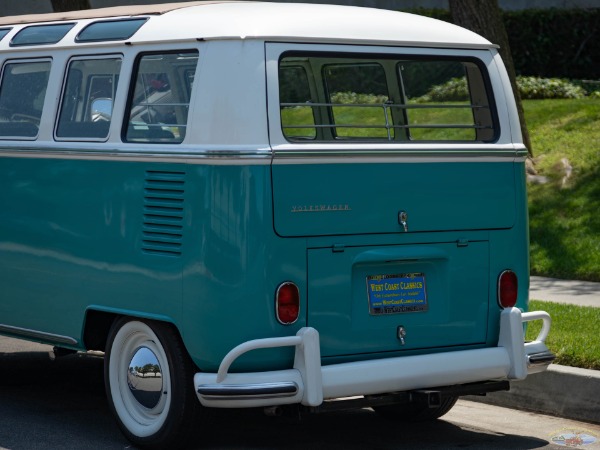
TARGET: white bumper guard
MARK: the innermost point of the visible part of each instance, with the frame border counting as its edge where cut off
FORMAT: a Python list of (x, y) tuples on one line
[(309, 383)]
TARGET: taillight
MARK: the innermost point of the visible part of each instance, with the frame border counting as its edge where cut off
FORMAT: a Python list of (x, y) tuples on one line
[(287, 303), (507, 289)]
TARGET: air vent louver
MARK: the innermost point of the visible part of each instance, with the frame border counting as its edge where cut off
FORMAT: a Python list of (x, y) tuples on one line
[(163, 213)]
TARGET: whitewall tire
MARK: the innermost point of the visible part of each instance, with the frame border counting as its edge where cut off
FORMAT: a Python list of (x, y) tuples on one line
[(148, 377)]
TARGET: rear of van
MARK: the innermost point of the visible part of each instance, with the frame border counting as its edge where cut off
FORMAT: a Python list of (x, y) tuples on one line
[(402, 169)]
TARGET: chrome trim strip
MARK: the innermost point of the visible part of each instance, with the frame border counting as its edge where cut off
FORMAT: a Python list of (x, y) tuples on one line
[(540, 359), (227, 156), (397, 160), (38, 335), (244, 391), (200, 157), (412, 152)]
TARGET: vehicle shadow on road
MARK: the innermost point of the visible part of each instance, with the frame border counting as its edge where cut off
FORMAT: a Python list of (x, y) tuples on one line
[(356, 429), (62, 405), (58, 404)]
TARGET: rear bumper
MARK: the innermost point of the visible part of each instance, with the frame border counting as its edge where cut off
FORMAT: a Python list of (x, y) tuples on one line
[(308, 383)]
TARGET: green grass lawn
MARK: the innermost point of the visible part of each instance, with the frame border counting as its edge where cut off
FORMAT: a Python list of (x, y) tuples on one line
[(565, 221), (573, 335)]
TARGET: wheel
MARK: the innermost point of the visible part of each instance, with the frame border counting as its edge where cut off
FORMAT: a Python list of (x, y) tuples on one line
[(416, 412), (149, 383)]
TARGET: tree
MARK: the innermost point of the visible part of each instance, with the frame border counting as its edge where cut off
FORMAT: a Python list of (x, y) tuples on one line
[(69, 5), (485, 18)]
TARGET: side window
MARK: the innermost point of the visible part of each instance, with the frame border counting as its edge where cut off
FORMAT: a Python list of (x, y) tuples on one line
[(87, 101), (159, 103), (22, 93)]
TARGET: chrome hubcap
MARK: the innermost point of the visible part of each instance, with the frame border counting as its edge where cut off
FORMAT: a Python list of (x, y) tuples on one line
[(144, 377)]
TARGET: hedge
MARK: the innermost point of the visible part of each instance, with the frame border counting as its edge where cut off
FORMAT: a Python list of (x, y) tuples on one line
[(557, 43)]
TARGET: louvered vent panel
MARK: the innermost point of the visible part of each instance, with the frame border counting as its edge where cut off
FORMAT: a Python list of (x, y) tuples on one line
[(163, 213)]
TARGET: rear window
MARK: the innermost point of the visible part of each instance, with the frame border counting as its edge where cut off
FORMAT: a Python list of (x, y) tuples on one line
[(334, 98)]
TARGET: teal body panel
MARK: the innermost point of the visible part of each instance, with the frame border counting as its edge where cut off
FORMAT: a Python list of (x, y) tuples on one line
[(467, 222), (234, 265), (74, 237), (71, 237), (455, 283), (366, 198)]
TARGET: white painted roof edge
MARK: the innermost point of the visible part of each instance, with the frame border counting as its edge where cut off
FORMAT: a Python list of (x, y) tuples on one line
[(283, 21)]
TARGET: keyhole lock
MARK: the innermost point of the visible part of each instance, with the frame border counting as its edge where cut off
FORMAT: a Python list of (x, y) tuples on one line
[(401, 334), (403, 220)]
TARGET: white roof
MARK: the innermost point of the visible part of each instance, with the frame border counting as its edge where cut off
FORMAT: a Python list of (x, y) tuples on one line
[(295, 22)]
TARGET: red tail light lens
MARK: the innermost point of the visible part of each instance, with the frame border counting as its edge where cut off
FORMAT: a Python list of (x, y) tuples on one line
[(507, 289), (287, 303)]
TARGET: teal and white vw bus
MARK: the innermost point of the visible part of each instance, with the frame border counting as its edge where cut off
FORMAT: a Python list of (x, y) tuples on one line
[(264, 205)]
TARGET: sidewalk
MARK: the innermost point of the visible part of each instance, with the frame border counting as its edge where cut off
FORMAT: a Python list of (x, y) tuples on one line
[(562, 391), (583, 293)]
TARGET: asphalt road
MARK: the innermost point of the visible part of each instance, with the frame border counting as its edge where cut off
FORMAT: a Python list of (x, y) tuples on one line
[(61, 404)]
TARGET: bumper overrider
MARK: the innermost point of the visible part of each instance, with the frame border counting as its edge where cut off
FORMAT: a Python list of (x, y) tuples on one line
[(308, 383)]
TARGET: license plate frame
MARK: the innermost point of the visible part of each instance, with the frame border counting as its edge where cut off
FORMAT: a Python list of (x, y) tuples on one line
[(396, 293)]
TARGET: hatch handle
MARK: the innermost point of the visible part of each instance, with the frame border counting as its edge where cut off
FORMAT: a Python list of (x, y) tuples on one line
[(403, 220), (401, 253)]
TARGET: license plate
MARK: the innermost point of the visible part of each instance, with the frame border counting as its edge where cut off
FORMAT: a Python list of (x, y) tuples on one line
[(393, 294)]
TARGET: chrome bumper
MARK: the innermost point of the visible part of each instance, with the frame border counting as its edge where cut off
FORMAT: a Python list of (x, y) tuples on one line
[(309, 383)]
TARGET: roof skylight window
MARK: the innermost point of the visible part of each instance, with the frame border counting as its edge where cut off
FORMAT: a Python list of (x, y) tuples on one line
[(4, 32), (110, 30), (41, 34)]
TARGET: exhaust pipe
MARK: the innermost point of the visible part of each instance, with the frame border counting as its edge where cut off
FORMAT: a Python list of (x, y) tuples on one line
[(273, 411)]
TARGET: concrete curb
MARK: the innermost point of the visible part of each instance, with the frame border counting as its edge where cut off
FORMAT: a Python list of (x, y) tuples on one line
[(561, 391)]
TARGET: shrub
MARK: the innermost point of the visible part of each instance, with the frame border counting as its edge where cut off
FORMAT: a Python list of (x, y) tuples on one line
[(353, 98), (455, 90), (540, 88), (529, 87), (451, 91)]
